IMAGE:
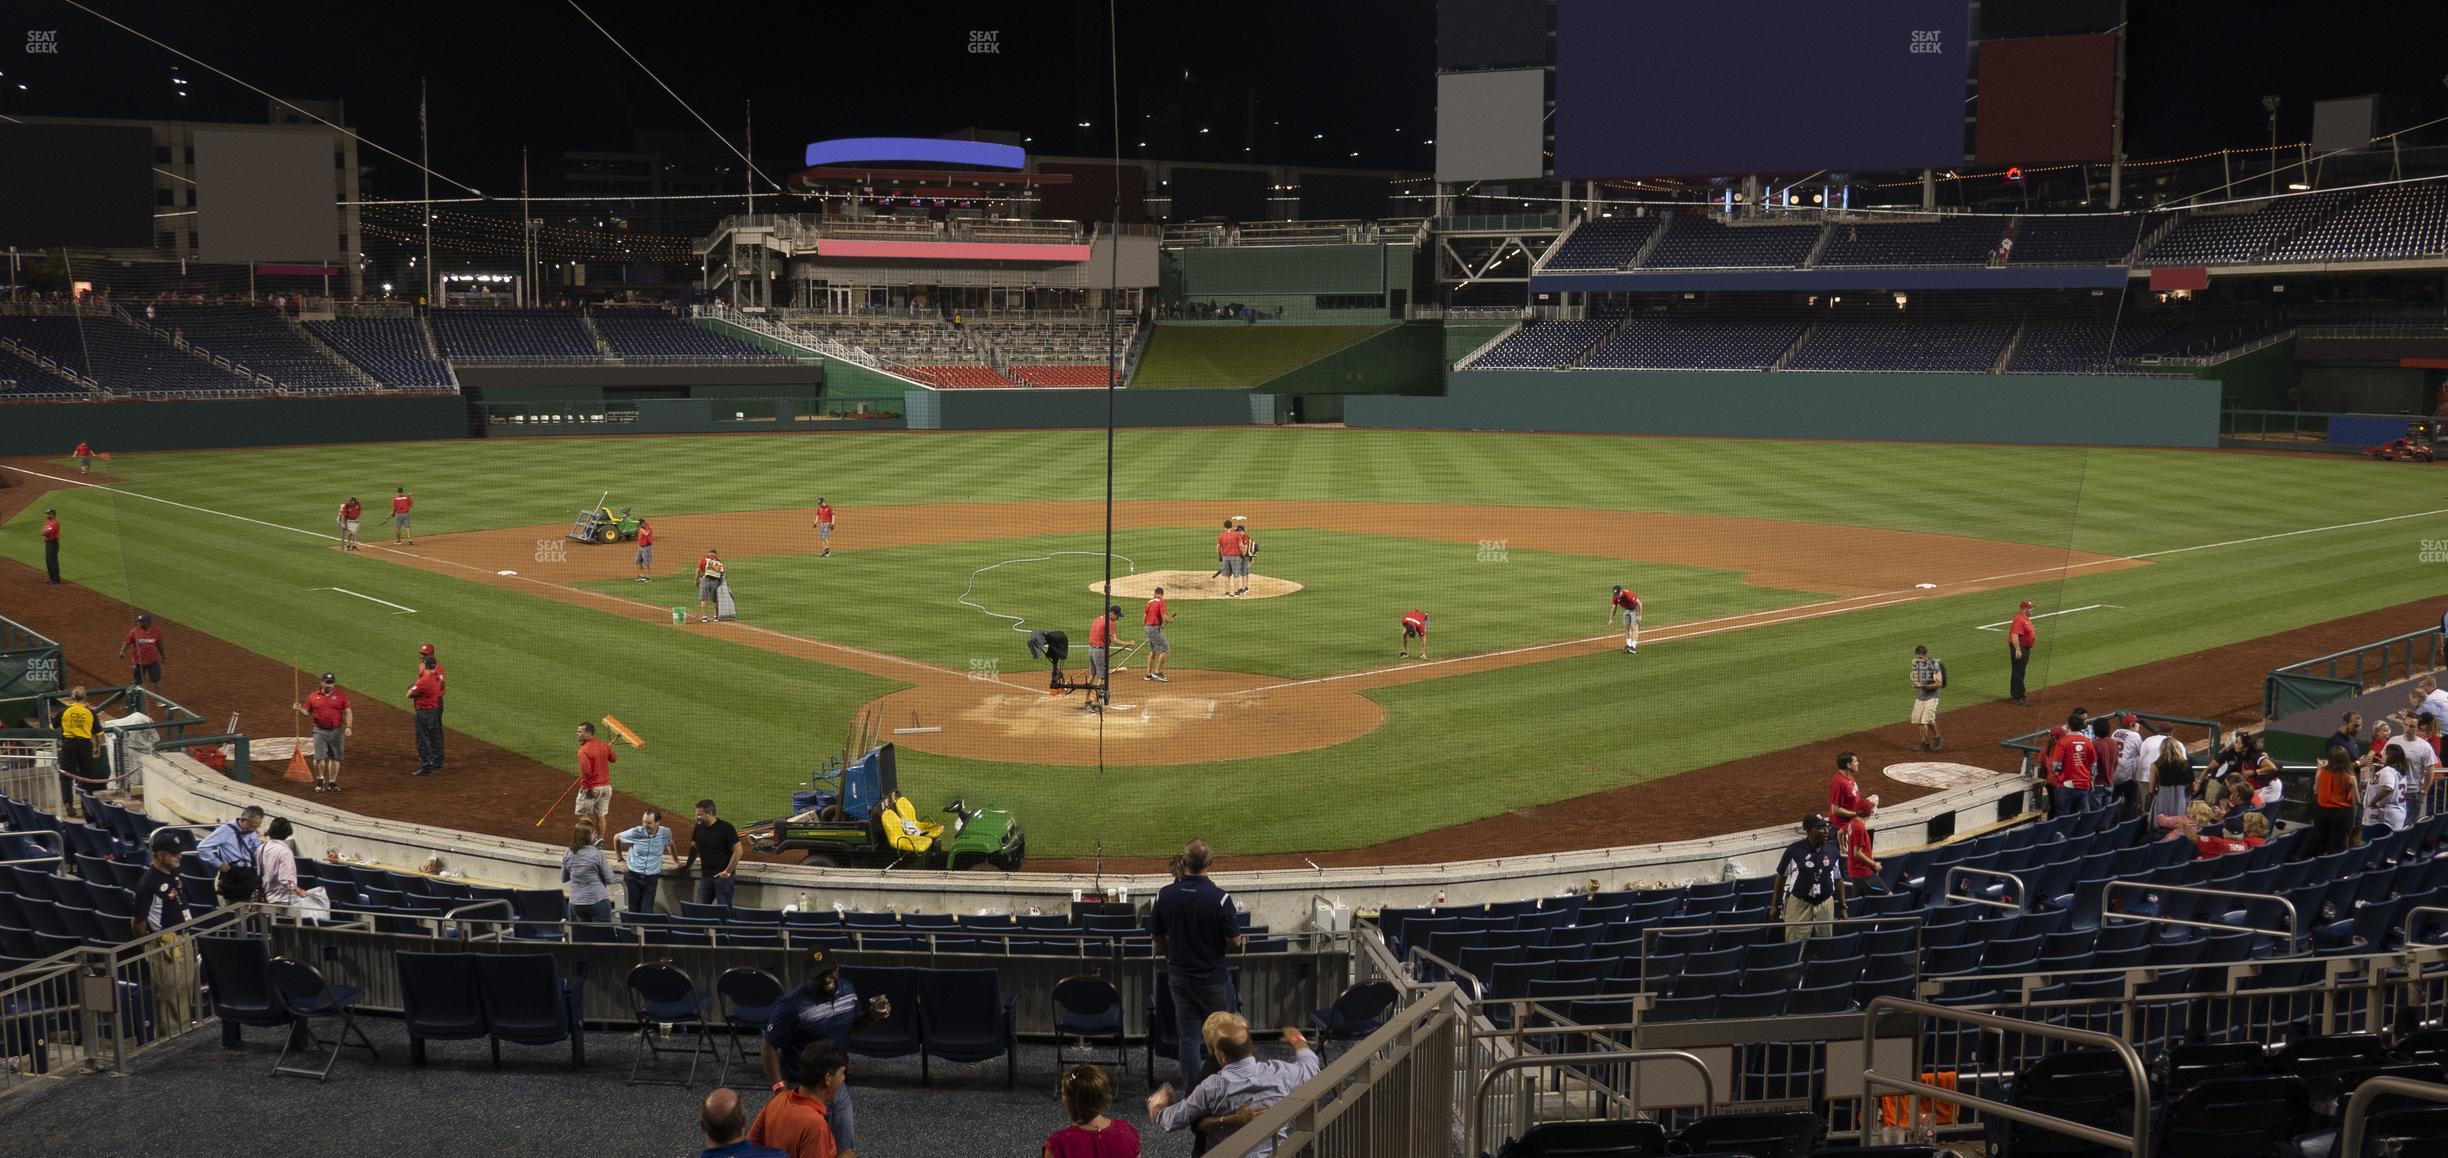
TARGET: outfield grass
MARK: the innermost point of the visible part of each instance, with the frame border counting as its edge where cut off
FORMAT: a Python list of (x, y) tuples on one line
[(1452, 749)]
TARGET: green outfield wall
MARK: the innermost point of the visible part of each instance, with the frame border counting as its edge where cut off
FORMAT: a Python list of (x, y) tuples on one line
[(56, 428), (2025, 408), (1057, 409)]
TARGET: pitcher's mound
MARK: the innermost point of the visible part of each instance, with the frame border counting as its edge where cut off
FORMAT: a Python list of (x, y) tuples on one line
[(1193, 585)]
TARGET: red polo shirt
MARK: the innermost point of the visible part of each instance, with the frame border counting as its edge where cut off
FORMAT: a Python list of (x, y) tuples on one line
[(1628, 600), (2020, 632), (1155, 613), (1416, 622), (1858, 851), (1101, 631), (84, 451), (50, 530), (144, 646), (824, 513), (645, 535), (1845, 792), (428, 690), (350, 510), (595, 760), (401, 503), (2074, 758), (327, 709)]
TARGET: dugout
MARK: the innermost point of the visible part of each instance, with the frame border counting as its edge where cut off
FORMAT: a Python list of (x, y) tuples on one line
[(2304, 701)]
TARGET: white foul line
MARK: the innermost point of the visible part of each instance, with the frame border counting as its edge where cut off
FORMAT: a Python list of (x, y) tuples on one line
[(2047, 614), (369, 599)]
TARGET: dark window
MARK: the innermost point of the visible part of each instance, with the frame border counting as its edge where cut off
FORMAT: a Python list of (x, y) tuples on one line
[(164, 197), (165, 241), (161, 153)]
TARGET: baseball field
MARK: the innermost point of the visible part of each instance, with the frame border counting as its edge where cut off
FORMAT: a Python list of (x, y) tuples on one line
[(1785, 586)]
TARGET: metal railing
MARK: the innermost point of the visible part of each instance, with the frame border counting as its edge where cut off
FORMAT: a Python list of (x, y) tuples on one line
[(2324, 680), (1389, 1096), (2032, 747), (1480, 1139), (2022, 893), (2359, 1107), (2413, 922), (59, 847), (2109, 912), (2136, 1143)]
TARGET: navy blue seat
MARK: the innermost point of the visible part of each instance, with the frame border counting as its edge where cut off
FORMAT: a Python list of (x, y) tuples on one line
[(965, 1017), (1781, 1134), (665, 996), (1624, 1138), (1357, 1013), (438, 1000), (528, 1002), (1087, 1014), (895, 1036), (308, 999), (238, 973)]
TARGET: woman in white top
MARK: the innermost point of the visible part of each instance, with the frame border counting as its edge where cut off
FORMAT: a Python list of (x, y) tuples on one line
[(276, 862), (2384, 802)]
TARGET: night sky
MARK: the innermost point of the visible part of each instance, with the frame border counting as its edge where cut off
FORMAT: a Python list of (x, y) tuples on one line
[(1284, 83)]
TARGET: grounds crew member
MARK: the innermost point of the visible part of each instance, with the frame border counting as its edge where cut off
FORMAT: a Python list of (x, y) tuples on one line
[(84, 457), (1625, 605), (595, 760), (334, 723), (1155, 619), (50, 533), (709, 582), (425, 695), (401, 500), (1100, 639), (1414, 626), (2020, 637), (143, 650), (348, 523)]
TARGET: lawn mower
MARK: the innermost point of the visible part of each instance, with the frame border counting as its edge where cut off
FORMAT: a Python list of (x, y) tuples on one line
[(855, 817), (598, 524)]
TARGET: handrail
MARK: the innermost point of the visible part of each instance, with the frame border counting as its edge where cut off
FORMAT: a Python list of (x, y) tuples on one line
[(2358, 1107), (2291, 932), (1478, 1123), (1418, 953), (2418, 911), (1358, 1062), (57, 841), (2137, 1144), (2022, 891)]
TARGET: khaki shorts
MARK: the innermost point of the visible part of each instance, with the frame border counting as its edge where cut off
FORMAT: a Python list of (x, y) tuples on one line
[(1803, 922), (595, 801), (1925, 712)]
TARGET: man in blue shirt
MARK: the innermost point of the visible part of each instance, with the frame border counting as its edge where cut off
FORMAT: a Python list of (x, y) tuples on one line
[(1193, 924), (1810, 884), (647, 844), (233, 843), (825, 1006), (725, 1125)]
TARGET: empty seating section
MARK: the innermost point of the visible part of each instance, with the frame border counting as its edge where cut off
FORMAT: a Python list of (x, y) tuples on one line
[(262, 341), (652, 335), (393, 350), (1704, 243), (490, 335), (1604, 243), (956, 377), (1543, 345), (1695, 344), (1068, 342), (2395, 221), (2107, 239), (903, 341), (1896, 344), (124, 359), (24, 378), (2082, 346), (1058, 375), (2234, 238), (1952, 241)]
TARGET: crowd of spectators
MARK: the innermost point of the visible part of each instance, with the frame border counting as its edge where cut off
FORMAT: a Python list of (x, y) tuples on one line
[(1216, 312)]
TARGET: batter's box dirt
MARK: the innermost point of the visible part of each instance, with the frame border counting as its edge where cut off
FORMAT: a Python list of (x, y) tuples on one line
[(1195, 585)]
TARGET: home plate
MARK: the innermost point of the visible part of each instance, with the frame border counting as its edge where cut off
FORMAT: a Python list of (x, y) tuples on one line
[(1932, 774)]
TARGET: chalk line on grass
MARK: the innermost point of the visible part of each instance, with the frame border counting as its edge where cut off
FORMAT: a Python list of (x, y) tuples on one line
[(369, 599), (2052, 614)]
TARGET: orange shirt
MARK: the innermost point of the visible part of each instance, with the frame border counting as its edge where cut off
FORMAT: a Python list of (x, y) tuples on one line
[(1155, 613), (595, 760), (795, 1124), (2330, 790)]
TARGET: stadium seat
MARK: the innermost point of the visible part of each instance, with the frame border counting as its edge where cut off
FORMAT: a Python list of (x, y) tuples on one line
[(663, 995), (528, 1002), (964, 1017), (749, 997), (1632, 1138), (237, 972), (308, 999), (2235, 1117), (1779, 1134), (439, 1000), (1087, 1011), (1356, 1013), (894, 1036)]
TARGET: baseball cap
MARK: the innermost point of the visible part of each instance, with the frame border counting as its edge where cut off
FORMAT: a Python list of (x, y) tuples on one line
[(144, 619), (2027, 605), (820, 963), (2130, 720), (1113, 609), (425, 650), (329, 677), (1812, 820), (166, 842), (2057, 729), (50, 512)]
